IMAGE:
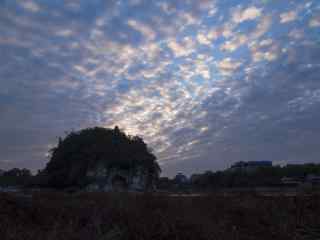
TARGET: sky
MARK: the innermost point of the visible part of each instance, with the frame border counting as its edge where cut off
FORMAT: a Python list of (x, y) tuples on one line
[(206, 83)]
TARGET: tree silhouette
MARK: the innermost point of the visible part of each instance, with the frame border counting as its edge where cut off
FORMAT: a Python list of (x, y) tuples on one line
[(15, 177), (84, 149)]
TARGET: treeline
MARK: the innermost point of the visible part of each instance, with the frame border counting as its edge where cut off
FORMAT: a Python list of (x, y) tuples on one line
[(230, 178), (88, 149), (234, 178), (91, 148), (15, 177)]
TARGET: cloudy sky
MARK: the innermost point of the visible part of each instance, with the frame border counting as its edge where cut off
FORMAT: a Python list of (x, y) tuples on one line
[(205, 82)]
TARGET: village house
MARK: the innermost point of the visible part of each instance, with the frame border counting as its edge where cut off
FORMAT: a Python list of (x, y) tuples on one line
[(313, 179), (308, 180), (291, 181)]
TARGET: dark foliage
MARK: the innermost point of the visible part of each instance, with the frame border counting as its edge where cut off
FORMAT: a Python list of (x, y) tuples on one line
[(82, 150), (260, 177), (136, 217), (15, 177)]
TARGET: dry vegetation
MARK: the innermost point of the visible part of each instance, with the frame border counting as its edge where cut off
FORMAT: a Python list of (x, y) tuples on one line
[(122, 216)]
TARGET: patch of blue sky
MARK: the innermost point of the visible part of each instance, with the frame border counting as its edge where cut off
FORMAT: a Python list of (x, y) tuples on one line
[(247, 26), (227, 5), (241, 53)]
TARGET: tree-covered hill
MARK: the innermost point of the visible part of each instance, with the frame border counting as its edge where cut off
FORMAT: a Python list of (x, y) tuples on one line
[(84, 149)]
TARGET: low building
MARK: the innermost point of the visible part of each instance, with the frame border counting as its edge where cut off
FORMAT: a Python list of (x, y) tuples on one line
[(180, 178), (308, 180), (195, 178), (313, 179), (291, 182)]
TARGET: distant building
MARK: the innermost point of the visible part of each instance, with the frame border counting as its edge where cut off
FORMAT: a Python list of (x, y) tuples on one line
[(180, 178), (309, 180), (313, 179), (1, 172), (250, 165), (164, 183), (195, 177), (291, 181)]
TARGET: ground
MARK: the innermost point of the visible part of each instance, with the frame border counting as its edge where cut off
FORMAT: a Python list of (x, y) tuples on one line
[(245, 216)]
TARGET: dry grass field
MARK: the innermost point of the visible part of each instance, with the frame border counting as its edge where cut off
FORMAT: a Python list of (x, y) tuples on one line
[(103, 216)]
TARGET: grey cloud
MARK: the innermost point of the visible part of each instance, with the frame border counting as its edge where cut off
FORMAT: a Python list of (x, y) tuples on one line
[(77, 65)]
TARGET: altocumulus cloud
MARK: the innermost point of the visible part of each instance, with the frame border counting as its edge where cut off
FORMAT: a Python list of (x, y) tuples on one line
[(206, 83)]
